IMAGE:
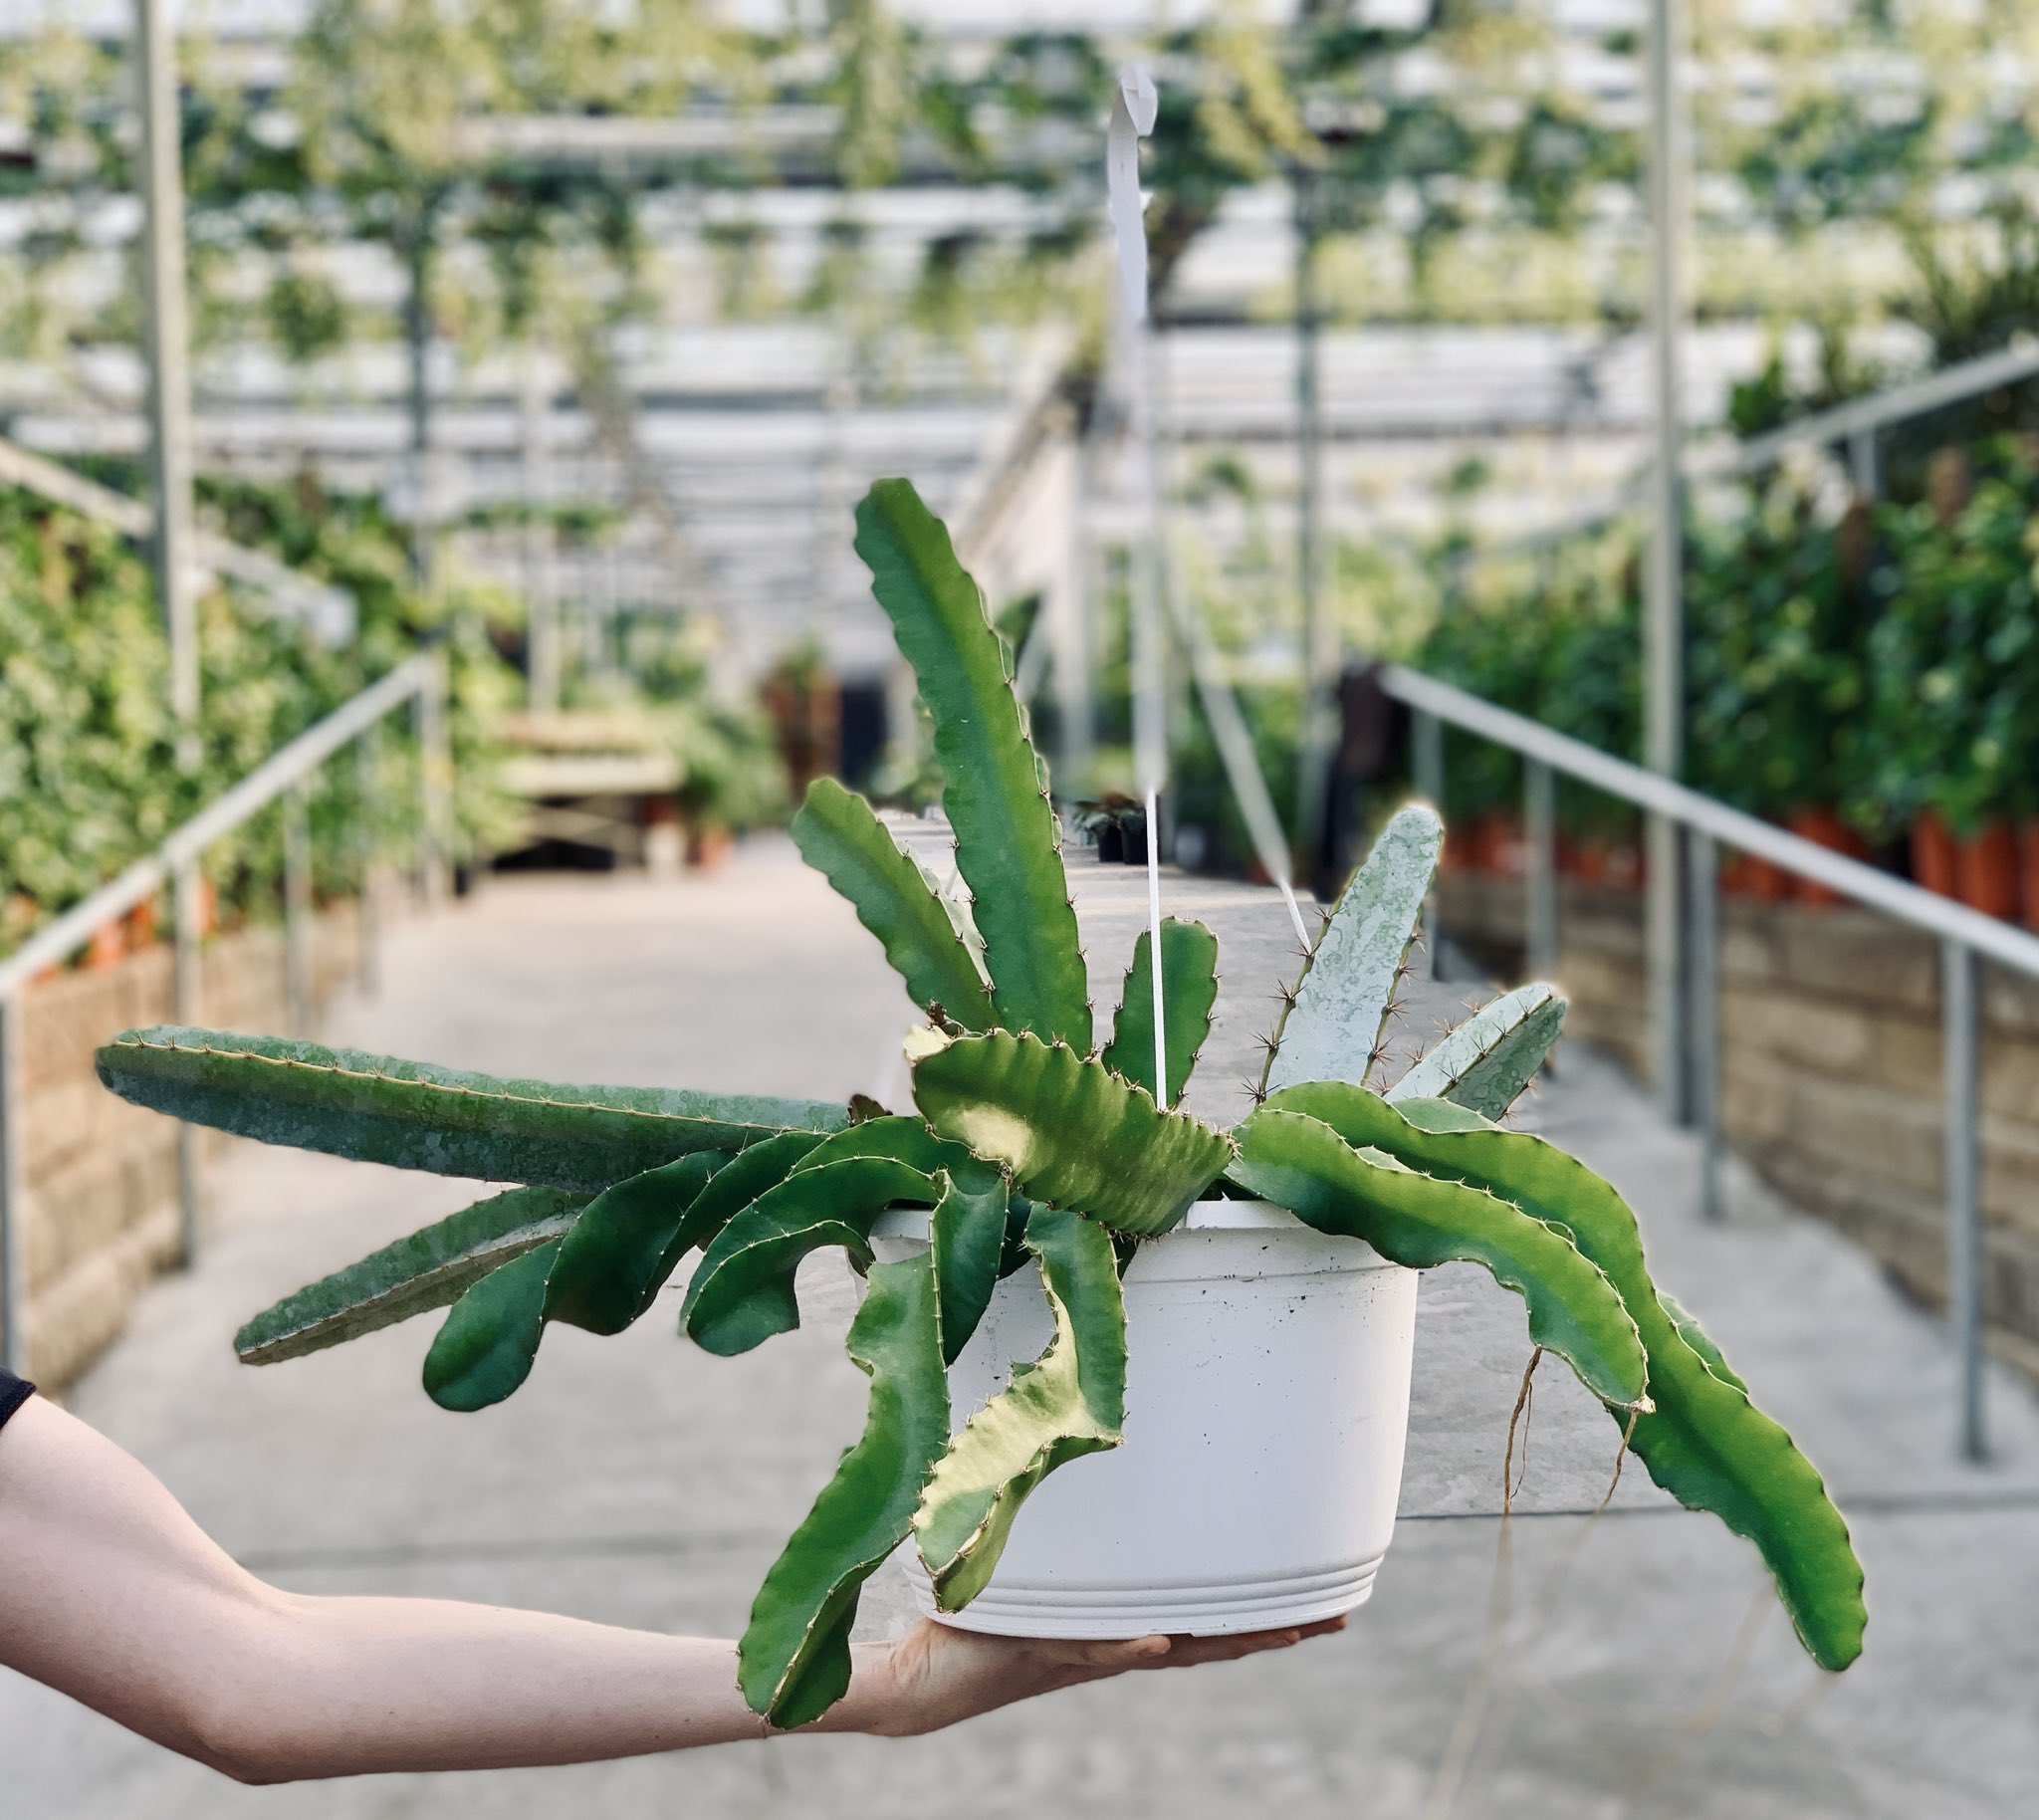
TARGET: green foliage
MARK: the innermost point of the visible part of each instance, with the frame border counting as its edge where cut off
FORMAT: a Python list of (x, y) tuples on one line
[(840, 837), (413, 1116), (415, 1274), (1189, 986), (734, 777), (793, 1661), (1559, 644), (1777, 673), (1953, 718), (1332, 1022), (1008, 843), (88, 771), (1072, 1133), (1070, 1402), (1884, 662), (1292, 1154)]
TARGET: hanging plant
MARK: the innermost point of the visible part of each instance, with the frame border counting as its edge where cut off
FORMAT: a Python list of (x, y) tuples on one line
[(1044, 1173)]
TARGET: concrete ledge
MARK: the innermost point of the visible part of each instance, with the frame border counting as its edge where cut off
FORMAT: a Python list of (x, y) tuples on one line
[(100, 1177), (1831, 1067)]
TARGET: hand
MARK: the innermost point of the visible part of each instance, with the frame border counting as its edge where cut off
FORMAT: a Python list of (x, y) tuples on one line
[(937, 1675)]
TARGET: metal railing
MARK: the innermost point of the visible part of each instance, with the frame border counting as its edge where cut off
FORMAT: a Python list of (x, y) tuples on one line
[(1857, 425), (1702, 826), (421, 681), (327, 610)]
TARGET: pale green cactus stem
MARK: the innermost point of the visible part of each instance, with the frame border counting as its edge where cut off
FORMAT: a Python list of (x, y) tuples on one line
[(1486, 1061), (1335, 1018)]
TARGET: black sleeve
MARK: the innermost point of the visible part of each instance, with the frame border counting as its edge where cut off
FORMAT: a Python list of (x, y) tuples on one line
[(13, 1394)]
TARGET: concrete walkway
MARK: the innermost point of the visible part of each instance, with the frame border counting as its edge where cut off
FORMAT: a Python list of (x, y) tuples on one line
[(1644, 1670)]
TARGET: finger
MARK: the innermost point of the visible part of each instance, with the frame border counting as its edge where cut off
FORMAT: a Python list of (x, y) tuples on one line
[(1109, 1657), (1192, 1651)]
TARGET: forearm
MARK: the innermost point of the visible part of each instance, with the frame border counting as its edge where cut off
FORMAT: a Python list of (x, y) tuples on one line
[(314, 1688), (113, 1595)]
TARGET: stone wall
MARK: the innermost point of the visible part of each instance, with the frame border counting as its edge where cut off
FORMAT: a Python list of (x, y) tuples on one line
[(1831, 1069), (100, 1177)]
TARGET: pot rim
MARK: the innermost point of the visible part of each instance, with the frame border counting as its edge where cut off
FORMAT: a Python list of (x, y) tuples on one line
[(1218, 1213)]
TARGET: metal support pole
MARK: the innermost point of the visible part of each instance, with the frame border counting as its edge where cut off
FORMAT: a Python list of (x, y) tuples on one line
[(1074, 650), (297, 909), (1864, 464), (1539, 826), (1963, 1187), (369, 822), (1427, 764), (425, 871), (417, 334), (13, 1214), (1702, 920), (540, 593), (1664, 616), (186, 1007), (169, 357), (435, 784), (1320, 631)]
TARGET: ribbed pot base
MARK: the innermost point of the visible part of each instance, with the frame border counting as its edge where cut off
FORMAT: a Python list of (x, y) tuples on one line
[(1094, 1613)]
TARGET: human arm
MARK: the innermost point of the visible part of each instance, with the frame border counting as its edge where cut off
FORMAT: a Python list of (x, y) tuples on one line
[(113, 1595)]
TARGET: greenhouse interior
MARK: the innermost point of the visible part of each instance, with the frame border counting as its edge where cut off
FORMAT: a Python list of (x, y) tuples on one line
[(1218, 697)]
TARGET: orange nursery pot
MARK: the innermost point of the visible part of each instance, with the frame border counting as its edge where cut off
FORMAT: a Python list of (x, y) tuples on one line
[(1934, 855), (1747, 877), (1499, 845), (1986, 870), (1599, 861), (141, 925), (1824, 827), (2028, 869), (708, 847)]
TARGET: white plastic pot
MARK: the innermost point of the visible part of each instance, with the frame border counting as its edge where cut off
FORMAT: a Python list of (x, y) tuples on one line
[(1266, 1407)]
